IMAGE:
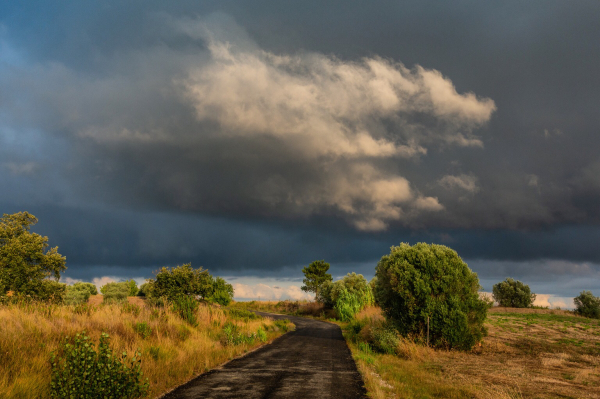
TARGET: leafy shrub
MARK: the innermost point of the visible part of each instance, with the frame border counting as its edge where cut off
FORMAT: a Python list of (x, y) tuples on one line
[(181, 281), (261, 334), (115, 292), (78, 371), (347, 305), (143, 329), (385, 338), (145, 290), (513, 294), (186, 307), (284, 324), (587, 305), (221, 292), (77, 294), (50, 291), (89, 287), (431, 280)]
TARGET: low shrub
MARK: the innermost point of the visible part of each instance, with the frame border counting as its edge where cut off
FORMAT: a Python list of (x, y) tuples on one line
[(89, 287), (186, 307), (284, 325), (78, 371), (76, 295), (586, 304), (243, 314), (143, 329), (115, 292), (385, 338), (132, 308)]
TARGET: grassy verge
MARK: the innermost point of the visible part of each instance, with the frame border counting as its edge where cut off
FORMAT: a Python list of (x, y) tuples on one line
[(537, 354), (172, 350)]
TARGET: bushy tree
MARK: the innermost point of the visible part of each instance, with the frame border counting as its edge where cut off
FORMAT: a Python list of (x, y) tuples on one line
[(315, 275), (414, 282), (586, 304), (133, 288), (27, 265), (222, 292), (79, 293), (115, 291), (513, 294), (354, 284), (180, 281)]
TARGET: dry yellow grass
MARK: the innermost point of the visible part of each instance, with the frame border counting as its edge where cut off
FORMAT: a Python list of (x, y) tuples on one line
[(528, 354), (171, 355)]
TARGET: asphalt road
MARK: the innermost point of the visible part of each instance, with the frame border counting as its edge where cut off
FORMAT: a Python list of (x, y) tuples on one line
[(311, 362)]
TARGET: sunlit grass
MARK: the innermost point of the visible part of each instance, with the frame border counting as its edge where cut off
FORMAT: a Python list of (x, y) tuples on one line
[(173, 351)]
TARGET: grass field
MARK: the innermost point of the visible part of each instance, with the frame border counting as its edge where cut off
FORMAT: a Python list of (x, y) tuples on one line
[(528, 353), (172, 350)]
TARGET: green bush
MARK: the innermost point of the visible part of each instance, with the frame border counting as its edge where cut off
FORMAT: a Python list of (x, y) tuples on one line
[(243, 314), (221, 292), (513, 294), (115, 292), (78, 371), (76, 295), (181, 281), (186, 307), (347, 305), (414, 282), (143, 329), (347, 296), (89, 287), (385, 338), (587, 305), (145, 290)]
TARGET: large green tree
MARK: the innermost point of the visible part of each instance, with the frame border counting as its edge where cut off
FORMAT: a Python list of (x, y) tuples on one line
[(424, 281), (315, 275), (27, 265), (513, 294)]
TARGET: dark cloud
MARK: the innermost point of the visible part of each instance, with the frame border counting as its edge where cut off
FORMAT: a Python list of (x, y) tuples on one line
[(147, 133)]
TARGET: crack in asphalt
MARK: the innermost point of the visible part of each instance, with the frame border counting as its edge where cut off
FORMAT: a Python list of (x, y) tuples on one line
[(311, 362)]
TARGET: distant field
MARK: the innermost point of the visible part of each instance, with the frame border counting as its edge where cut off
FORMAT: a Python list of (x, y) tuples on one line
[(529, 353)]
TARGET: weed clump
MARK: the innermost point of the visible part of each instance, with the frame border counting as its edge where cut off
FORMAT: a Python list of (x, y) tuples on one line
[(78, 371)]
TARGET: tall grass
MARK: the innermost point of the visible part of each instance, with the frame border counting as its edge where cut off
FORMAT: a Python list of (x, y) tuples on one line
[(173, 351)]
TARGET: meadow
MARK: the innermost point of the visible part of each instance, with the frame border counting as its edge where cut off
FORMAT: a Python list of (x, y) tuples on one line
[(172, 350), (528, 353)]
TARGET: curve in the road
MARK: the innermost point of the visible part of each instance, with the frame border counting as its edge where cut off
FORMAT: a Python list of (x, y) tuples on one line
[(311, 362)]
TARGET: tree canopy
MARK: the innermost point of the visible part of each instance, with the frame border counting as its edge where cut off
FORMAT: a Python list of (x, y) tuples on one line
[(513, 294), (315, 275), (27, 265)]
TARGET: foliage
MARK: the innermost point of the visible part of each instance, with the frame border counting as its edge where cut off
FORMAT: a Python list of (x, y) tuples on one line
[(77, 294), (91, 288), (315, 275), (513, 294), (145, 289), (385, 338), (222, 292), (26, 263), (78, 371), (354, 283), (182, 281), (347, 305), (133, 288), (414, 282), (587, 305), (143, 329), (186, 307), (115, 292)]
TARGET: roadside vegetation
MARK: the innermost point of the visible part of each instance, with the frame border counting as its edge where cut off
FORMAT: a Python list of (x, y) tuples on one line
[(59, 341)]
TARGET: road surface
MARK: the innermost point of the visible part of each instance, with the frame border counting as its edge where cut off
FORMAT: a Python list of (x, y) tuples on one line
[(311, 362)]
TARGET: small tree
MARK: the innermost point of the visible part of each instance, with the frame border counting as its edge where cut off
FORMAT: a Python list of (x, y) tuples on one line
[(182, 281), (587, 305), (26, 264), (315, 276), (421, 281), (513, 294)]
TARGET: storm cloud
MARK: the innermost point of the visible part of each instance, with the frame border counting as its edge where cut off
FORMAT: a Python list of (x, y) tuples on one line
[(160, 133)]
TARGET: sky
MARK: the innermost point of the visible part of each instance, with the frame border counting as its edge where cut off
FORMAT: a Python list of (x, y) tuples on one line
[(251, 138)]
